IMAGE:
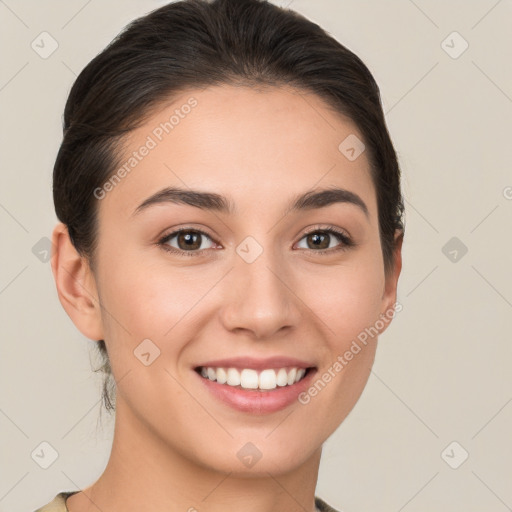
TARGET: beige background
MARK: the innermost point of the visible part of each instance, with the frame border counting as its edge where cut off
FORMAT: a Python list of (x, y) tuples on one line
[(442, 372)]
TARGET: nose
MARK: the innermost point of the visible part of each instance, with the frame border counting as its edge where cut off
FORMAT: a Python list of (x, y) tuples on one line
[(260, 298)]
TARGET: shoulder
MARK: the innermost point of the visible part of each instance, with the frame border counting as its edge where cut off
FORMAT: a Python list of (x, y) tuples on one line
[(58, 504), (321, 505)]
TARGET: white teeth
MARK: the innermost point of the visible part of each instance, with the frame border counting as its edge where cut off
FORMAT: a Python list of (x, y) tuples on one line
[(250, 379), (282, 377), (233, 377), (222, 376), (267, 379)]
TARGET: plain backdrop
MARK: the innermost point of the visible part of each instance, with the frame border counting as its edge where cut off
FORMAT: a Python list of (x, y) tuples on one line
[(432, 430)]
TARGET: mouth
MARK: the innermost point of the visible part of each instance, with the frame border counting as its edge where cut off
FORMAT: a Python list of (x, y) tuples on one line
[(253, 385), (266, 379)]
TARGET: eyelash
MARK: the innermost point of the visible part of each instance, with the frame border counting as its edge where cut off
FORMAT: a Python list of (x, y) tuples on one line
[(347, 242)]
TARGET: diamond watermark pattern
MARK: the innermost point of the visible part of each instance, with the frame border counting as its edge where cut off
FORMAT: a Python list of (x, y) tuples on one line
[(454, 45), (146, 352), (42, 250), (44, 45), (454, 249), (454, 455), (249, 249), (249, 455), (44, 454), (351, 147)]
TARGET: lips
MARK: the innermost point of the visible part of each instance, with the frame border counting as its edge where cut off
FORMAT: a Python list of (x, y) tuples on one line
[(257, 386)]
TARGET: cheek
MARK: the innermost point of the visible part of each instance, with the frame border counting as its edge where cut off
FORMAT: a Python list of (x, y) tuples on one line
[(349, 307), (348, 300), (148, 298), (146, 302)]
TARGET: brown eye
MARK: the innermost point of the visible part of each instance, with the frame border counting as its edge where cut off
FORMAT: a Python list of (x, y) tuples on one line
[(324, 240), (187, 240), (318, 241)]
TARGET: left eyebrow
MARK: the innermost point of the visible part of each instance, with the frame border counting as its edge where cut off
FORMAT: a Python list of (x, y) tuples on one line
[(310, 200), (322, 198)]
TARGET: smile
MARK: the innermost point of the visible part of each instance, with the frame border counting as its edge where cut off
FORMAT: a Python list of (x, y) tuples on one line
[(248, 378), (256, 385)]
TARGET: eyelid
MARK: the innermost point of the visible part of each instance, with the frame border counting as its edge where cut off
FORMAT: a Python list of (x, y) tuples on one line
[(327, 228), (164, 239), (345, 238)]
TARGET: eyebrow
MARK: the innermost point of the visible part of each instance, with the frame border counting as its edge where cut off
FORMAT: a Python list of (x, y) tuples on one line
[(310, 200)]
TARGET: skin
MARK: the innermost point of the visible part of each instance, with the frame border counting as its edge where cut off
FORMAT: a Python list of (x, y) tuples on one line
[(174, 444)]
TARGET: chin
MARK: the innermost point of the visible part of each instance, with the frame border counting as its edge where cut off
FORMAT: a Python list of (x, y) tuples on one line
[(255, 459)]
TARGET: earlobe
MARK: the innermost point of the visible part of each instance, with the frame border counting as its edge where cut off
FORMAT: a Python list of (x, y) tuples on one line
[(76, 286)]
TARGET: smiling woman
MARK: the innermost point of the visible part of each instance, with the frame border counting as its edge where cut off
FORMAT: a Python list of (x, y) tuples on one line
[(227, 274)]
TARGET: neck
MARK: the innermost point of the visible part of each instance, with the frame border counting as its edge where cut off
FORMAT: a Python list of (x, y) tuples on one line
[(146, 473)]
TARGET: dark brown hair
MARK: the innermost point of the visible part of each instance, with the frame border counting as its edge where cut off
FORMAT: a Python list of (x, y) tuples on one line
[(192, 44)]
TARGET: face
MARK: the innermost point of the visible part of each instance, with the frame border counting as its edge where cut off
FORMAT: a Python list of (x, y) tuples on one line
[(256, 285)]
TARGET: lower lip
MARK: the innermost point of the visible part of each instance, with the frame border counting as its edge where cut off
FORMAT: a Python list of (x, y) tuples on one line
[(256, 401)]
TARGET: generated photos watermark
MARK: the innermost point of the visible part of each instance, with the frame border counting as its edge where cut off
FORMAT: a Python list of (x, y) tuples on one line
[(355, 348), (152, 141)]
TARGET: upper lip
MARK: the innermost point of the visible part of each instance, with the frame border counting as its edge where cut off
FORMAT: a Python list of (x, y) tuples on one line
[(257, 364)]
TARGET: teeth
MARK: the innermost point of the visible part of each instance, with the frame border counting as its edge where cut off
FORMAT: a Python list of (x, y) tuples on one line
[(291, 376), (222, 376), (233, 377), (250, 379), (267, 379), (282, 377)]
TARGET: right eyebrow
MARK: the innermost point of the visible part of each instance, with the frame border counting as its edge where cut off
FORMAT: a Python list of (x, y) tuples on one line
[(199, 199)]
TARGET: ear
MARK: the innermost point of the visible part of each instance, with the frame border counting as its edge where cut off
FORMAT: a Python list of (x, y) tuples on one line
[(391, 283), (76, 285)]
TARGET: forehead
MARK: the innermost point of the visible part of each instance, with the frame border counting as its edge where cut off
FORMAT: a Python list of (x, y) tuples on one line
[(248, 144)]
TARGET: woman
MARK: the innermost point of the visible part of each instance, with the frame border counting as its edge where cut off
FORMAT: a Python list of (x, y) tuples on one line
[(231, 232)]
